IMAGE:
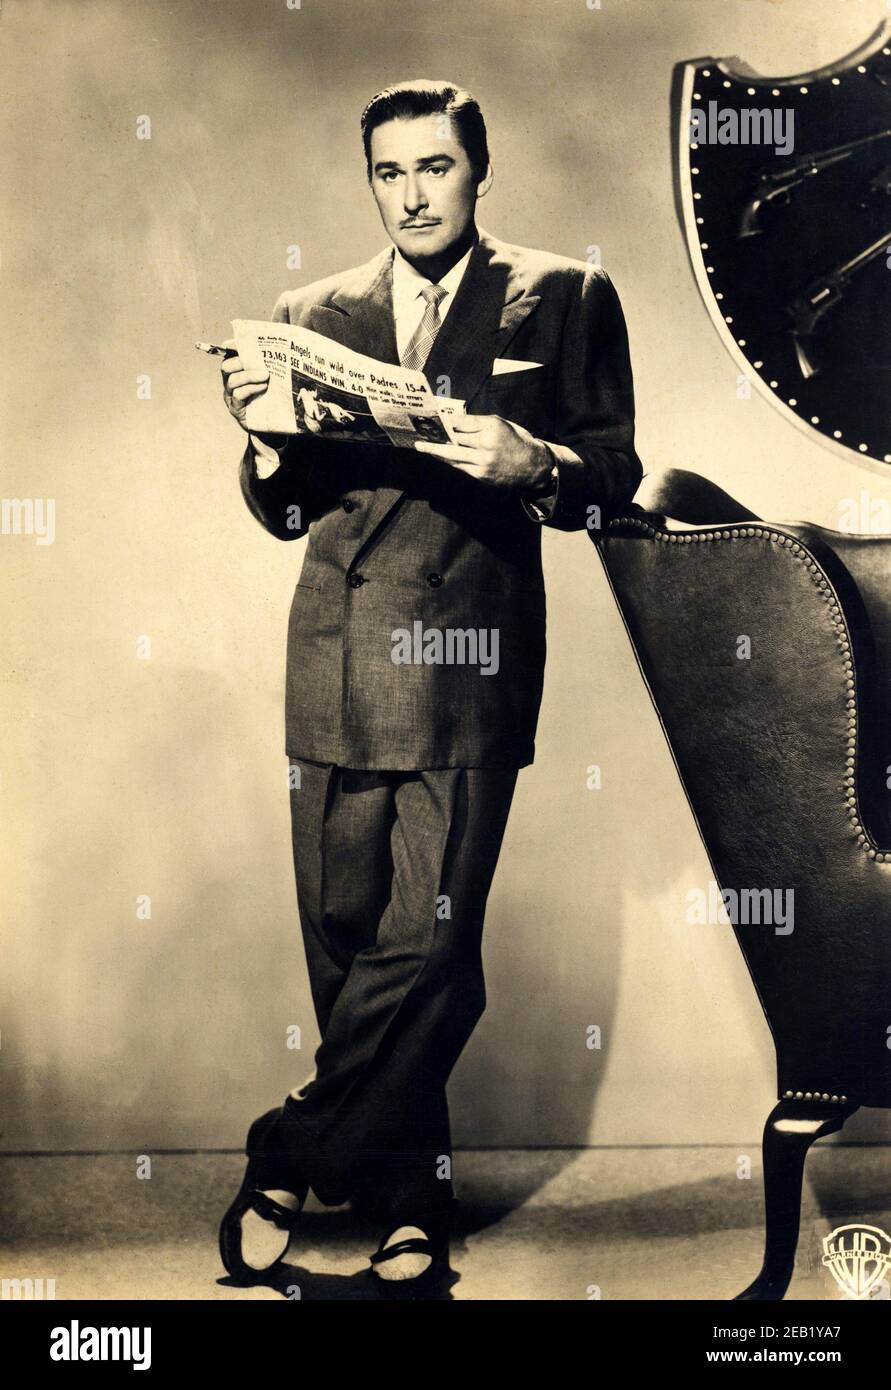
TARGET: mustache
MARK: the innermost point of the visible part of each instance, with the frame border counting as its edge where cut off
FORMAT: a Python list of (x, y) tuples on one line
[(421, 222)]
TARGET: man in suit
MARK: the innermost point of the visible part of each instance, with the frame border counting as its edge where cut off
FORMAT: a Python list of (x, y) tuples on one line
[(405, 736)]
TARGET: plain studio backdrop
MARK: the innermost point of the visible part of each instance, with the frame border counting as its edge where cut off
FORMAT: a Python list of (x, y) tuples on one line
[(154, 769)]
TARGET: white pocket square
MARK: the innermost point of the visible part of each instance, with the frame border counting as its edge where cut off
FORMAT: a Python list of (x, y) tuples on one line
[(511, 364)]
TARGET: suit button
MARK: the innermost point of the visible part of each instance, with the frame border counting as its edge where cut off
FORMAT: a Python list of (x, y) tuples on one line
[(434, 580), (348, 505), (355, 581)]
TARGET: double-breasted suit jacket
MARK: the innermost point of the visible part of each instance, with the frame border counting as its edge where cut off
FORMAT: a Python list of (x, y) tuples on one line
[(398, 538)]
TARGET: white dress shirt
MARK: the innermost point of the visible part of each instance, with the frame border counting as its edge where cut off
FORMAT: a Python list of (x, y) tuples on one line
[(408, 306)]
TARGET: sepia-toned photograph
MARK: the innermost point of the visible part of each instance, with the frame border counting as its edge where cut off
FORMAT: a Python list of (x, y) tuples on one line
[(446, 534)]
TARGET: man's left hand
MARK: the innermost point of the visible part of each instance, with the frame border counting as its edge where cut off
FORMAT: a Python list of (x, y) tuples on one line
[(495, 451)]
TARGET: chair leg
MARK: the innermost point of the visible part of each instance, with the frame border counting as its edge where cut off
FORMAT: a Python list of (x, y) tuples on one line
[(792, 1126)]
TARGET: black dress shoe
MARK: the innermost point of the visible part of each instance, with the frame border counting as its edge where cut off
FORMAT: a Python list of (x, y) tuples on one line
[(435, 1244), (255, 1231)]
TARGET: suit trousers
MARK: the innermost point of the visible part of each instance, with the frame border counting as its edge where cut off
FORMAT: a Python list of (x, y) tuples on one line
[(393, 870)]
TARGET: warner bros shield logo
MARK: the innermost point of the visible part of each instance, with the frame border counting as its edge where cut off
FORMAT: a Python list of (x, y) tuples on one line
[(857, 1257), (783, 188)]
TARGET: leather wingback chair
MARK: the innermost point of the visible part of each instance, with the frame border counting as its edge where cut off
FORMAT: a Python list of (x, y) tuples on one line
[(783, 746)]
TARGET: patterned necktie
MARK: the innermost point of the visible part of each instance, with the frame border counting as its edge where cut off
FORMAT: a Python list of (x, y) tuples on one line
[(422, 339)]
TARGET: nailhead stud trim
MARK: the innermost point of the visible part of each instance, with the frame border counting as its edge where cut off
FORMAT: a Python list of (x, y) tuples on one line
[(815, 1095)]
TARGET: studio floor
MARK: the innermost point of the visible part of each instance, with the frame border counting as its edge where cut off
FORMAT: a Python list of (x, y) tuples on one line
[(631, 1223)]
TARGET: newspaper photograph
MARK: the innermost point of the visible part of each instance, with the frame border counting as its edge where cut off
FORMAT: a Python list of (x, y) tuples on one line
[(317, 386)]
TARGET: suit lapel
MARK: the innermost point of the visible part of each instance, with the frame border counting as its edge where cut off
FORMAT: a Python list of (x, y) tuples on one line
[(489, 307), (360, 314)]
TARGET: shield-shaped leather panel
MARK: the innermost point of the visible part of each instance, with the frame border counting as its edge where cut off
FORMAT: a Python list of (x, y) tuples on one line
[(784, 193)]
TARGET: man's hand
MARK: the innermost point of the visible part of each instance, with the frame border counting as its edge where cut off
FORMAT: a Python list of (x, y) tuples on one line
[(240, 387), (497, 452)]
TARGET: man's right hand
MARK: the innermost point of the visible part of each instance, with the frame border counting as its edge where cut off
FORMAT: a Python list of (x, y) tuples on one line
[(240, 387)]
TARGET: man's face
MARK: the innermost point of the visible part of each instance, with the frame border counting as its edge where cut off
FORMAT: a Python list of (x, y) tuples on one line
[(422, 183)]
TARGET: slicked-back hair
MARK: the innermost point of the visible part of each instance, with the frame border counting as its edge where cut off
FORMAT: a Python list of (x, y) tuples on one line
[(423, 97)]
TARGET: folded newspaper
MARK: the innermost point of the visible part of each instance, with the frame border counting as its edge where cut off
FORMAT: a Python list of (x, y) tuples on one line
[(316, 386)]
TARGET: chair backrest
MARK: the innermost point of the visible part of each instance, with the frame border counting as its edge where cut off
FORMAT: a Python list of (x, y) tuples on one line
[(761, 658)]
